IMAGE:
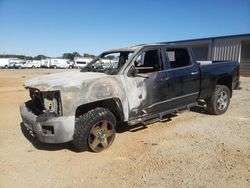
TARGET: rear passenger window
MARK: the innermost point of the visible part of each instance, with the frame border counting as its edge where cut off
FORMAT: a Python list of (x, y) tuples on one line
[(178, 58)]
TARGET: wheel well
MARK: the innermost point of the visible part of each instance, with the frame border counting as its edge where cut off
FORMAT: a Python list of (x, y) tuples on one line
[(226, 81), (114, 105)]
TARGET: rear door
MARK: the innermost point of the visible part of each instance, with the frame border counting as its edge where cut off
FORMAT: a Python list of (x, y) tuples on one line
[(186, 76)]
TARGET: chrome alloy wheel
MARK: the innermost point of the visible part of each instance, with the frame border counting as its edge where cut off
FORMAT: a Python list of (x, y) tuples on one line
[(101, 136), (222, 100)]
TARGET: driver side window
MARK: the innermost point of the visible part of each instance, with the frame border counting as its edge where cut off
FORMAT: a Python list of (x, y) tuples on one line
[(148, 61)]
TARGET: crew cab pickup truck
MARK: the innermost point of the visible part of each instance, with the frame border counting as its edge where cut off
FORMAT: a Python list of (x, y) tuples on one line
[(148, 83)]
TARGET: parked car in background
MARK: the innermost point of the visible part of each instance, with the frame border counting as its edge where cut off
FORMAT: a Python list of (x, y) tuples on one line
[(45, 63), (27, 64), (13, 62), (20, 65), (59, 63), (17, 63), (71, 64), (36, 63), (81, 62), (4, 63)]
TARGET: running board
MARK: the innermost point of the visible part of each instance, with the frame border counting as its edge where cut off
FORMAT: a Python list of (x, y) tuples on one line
[(160, 117)]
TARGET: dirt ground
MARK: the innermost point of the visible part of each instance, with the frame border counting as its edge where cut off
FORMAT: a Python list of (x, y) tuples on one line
[(193, 149)]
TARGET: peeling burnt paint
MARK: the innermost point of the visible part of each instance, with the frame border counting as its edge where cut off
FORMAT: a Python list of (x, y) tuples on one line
[(136, 93), (78, 88)]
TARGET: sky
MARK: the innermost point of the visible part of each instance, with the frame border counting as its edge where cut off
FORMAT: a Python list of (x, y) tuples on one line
[(53, 27)]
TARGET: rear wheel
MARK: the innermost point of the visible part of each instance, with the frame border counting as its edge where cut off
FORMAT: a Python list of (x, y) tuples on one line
[(219, 102), (94, 130)]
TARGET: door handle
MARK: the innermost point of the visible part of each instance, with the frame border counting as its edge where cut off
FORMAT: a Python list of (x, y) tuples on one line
[(164, 79), (195, 72)]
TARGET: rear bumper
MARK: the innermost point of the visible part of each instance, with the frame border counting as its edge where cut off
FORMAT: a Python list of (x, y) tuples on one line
[(51, 130)]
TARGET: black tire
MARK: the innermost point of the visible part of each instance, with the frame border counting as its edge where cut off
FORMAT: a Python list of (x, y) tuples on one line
[(6, 67), (90, 133), (220, 100)]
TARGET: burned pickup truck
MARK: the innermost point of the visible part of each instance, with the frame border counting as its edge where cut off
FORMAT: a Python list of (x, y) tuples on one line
[(144, 84)]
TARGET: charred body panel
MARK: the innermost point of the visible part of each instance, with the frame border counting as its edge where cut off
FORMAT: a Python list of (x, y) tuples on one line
[(50, 129), (56, 110), (81, 88), (46, 102)]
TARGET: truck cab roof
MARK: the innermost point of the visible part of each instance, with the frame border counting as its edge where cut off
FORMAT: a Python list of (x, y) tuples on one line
[(140, 46)]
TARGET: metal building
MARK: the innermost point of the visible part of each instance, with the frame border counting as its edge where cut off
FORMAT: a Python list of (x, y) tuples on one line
[(233, 47)]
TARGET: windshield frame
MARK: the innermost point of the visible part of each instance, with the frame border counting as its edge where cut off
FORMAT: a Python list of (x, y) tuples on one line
[(132, 51)]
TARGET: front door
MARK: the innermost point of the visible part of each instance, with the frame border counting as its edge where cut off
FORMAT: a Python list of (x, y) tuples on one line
[(148, 90)]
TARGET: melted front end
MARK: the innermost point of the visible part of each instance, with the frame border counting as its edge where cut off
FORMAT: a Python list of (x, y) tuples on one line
[(46, 103), (43, 117)]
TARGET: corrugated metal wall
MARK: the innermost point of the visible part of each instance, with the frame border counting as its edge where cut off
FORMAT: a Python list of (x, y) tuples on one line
[(222, 49), (226, 49), (201, 51), (245, 57), (200, 48)]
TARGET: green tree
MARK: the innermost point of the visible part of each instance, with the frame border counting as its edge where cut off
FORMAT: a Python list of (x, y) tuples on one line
[(70, 56), (110, 57), (39, 57), (88, 55), (76, 54)]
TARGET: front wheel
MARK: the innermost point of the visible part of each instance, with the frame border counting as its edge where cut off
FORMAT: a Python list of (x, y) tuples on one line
[(219, 102), (94, 130)]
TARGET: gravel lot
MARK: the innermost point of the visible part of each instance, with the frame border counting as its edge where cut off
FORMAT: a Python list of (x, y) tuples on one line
[(192, 149)]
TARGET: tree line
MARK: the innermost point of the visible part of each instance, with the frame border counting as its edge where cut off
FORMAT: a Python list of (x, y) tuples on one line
[(69, 56)]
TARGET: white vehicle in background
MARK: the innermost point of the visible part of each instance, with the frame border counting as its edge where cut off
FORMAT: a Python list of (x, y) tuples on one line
[(71, 64), (4, 63), (13, 62), (81, 62), (18, 65), (27, 64), (45, 63), (36, 63), (22, 64), (59, 63)]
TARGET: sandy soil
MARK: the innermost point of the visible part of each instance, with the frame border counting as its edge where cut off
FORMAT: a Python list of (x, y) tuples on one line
[(192, 149)]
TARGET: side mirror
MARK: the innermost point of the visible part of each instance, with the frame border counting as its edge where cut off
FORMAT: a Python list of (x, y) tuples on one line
[(133, 71)]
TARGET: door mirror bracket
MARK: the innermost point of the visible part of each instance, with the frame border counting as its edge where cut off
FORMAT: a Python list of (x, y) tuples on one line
[(133, 71)]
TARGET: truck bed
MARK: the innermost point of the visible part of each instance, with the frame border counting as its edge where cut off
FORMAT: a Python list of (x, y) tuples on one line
[(211, 72)]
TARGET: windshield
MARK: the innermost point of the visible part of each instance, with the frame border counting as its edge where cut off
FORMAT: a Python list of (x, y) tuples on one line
[(109, 63)]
